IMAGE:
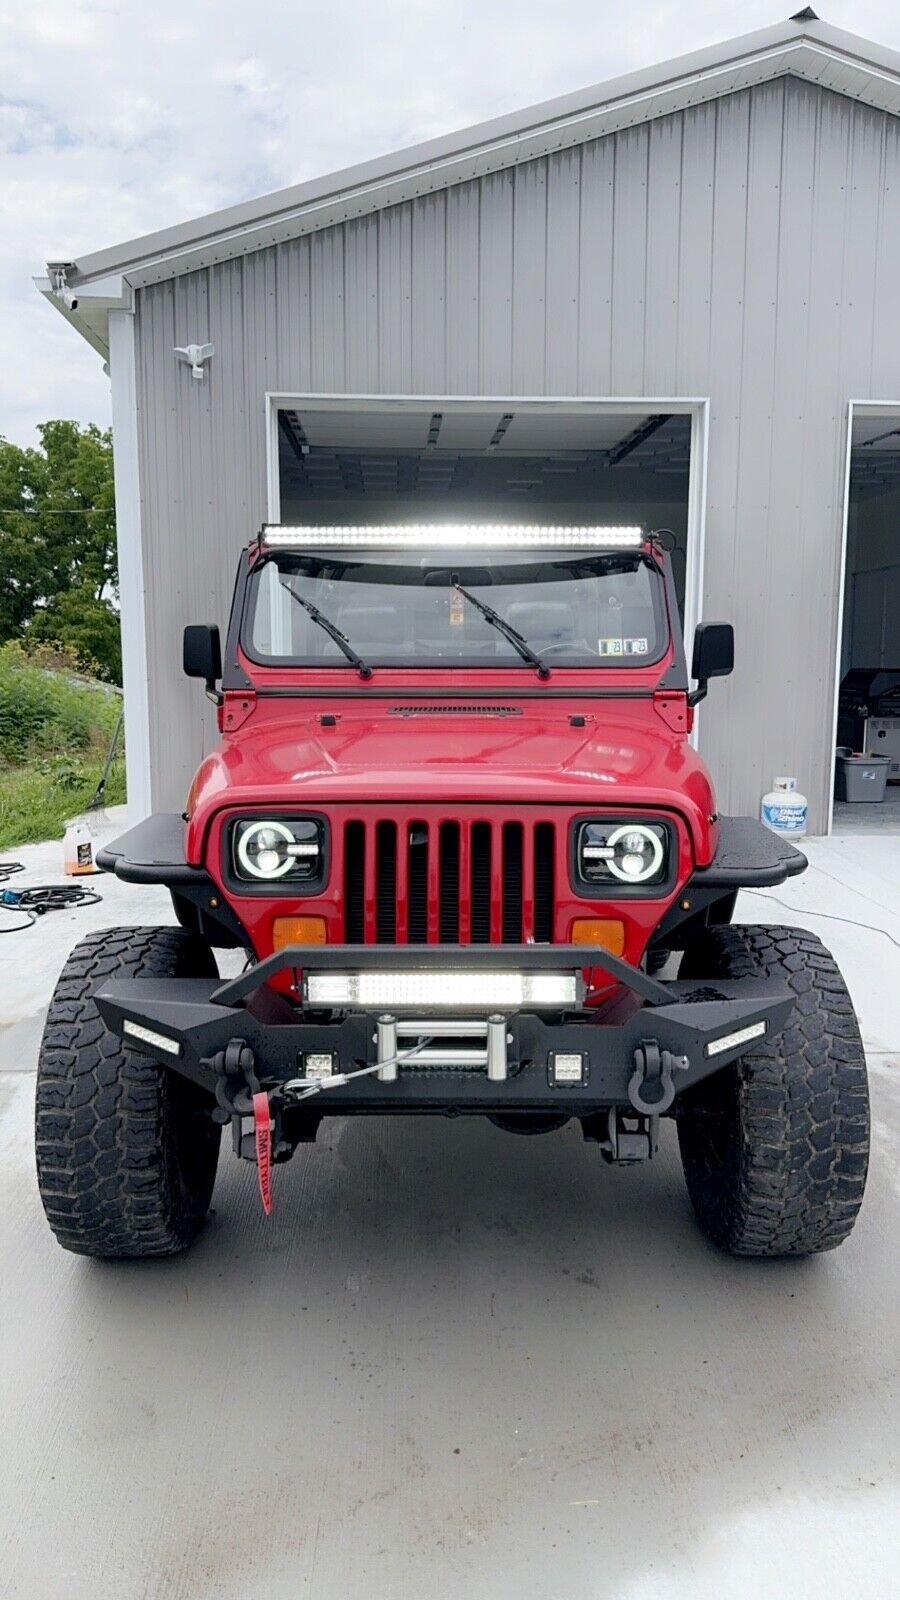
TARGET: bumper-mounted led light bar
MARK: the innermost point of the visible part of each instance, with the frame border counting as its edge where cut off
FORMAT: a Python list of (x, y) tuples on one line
[(446, 991), (730, 1041), (149, 1036), (453, 535)]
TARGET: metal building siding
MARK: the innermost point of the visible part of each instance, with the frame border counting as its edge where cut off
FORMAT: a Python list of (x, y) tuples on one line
[(744, 249)]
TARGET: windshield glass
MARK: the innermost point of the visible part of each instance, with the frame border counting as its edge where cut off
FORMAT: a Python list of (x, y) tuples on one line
[(429, 610)]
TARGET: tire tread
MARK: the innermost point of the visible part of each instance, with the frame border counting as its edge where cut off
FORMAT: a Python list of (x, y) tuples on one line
[(794, 1110), (112, 1179)]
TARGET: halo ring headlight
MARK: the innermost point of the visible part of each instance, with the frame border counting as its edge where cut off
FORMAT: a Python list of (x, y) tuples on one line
[(636, 853), (281, 853), (622, 855), (269, 842)]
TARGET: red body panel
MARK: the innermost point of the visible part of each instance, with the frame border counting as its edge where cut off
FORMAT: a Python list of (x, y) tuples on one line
[(625, 755), (640, 915)]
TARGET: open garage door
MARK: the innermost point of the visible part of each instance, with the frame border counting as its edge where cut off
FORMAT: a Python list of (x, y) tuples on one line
[(381, 460), (867, 758)]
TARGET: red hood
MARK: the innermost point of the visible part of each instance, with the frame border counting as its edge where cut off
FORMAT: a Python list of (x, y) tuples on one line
[(625, 754)]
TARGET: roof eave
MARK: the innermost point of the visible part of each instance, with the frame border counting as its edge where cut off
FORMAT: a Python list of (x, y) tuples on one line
[(812, 51), (89, 315)]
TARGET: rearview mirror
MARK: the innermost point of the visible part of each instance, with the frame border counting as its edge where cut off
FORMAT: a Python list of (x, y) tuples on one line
[(713, 655), (447, 577), (203, 656)]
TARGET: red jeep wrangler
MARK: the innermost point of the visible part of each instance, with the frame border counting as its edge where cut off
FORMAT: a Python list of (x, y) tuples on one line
[(456, 825)]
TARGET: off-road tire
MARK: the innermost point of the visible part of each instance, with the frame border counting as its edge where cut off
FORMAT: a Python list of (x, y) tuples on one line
[(775, 1147), (126, 1154)]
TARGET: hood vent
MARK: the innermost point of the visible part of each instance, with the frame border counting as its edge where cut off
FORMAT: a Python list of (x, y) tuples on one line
[(456, 710)]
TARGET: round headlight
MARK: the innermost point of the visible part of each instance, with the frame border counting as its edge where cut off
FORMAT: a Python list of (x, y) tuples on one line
[(263, 850), (637, 853)]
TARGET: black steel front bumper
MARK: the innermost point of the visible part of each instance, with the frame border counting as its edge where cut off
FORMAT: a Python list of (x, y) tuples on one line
[(639, 1050)]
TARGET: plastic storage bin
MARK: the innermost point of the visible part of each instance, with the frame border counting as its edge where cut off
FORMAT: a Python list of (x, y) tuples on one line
[(861, 777)]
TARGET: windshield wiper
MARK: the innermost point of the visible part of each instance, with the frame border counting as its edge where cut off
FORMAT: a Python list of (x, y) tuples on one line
[(331, 628), (517, 640)]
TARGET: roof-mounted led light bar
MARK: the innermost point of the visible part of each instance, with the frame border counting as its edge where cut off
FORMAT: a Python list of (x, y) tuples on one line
[(455, 535)]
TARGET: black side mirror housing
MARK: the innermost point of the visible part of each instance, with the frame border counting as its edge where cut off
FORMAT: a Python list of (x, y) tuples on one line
[(713, 656), (202, 656)]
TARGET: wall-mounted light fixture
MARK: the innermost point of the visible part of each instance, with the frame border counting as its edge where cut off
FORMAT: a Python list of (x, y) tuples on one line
[(195, 355)]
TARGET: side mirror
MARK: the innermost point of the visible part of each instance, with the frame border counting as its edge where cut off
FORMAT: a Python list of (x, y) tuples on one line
[(713, 656), (203, 656)]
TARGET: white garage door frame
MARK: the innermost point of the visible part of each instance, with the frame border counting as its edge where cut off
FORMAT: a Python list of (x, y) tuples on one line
[(553, 405), (855, 409)]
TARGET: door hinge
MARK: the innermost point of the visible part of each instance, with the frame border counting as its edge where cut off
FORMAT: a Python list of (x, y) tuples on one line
[(238, 705), (673, 708)]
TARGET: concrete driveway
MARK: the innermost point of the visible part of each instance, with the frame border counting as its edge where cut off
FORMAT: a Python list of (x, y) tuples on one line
[(455, 1363)]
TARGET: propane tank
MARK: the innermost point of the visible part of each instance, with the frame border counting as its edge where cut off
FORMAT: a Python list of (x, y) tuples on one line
[(784, 809)]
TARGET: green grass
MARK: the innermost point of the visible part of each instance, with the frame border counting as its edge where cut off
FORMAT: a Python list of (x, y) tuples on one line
[(55, 728)]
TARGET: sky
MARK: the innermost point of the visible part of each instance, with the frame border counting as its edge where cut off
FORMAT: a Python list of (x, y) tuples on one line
[(118, 117)]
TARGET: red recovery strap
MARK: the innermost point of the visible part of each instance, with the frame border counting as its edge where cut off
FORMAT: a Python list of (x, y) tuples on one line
[(262, 1126)]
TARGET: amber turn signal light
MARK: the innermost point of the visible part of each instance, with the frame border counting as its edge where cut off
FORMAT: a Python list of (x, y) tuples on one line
[(298, 930), (607, 933)]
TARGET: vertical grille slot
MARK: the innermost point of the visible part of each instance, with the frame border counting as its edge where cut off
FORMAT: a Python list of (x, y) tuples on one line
[(544, 847), (386, 882), (449, 882), (512, 882), (417, 882), (481, 883), (354, 882)]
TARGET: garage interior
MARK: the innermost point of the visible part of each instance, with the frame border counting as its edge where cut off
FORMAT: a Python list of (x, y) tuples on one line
[(486, 463), (869, 675)]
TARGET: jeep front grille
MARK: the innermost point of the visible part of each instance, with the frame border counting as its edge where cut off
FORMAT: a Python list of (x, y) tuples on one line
[(420, 879)]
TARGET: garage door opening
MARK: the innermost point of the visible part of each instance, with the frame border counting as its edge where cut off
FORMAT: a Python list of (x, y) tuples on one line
[(867, 763), (492, 461)]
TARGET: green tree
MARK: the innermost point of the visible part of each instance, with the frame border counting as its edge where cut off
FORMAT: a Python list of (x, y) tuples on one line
[(84, 627), (58, 568)]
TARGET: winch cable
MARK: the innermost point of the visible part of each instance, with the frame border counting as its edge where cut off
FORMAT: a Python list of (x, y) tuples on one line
[(35, 902), (340, 1078)]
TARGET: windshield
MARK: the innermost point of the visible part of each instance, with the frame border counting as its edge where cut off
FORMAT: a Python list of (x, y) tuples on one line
[(483, 609)]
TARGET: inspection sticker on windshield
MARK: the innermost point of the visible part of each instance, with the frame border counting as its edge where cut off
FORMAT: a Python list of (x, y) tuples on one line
[(622, 647)]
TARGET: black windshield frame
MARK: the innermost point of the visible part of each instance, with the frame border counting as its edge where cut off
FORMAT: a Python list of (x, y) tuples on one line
[(471, 564)]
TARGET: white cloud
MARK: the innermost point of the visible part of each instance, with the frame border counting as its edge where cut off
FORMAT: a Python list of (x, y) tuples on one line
[(117, 118)]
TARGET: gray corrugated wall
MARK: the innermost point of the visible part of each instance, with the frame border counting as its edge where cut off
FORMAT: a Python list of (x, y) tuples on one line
[(745, 249)]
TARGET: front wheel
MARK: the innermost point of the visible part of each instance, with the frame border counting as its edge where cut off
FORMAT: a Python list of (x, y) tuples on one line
[(126, 1149), (775, 1147)]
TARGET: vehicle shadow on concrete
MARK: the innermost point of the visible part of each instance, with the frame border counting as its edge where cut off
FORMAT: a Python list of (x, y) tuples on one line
[(455, 1362)]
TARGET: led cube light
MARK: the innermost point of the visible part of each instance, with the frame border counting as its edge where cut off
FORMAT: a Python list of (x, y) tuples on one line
[(567, 1067), (447, 991), (318, 1065), (457, 535)]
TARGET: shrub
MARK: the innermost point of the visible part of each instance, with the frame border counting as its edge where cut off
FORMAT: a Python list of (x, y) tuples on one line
[(50, 711)]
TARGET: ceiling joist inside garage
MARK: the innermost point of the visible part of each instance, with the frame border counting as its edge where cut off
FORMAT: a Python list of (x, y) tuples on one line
[(477, 454), (875, 453)]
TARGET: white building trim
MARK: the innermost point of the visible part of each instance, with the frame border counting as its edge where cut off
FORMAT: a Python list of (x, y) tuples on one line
[(131, 562)]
